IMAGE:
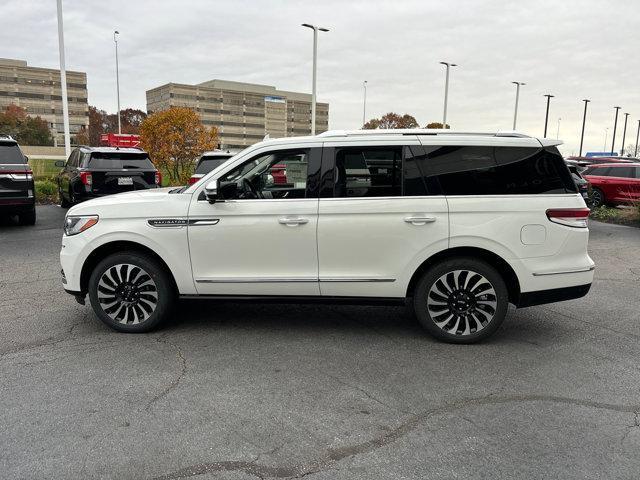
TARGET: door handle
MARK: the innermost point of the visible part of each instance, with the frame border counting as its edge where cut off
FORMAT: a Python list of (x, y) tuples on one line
[(292, 221), (419, 219)]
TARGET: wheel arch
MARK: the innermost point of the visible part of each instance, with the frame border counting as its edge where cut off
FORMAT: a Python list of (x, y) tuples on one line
[(503, 267), (119, 246)]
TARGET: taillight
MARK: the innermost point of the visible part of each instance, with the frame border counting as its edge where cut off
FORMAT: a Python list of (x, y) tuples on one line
[(86, 178), (193, 180), (571, 217), (158, 178)]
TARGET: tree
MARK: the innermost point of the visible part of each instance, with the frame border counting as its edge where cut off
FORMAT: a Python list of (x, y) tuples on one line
[(97, 125), (436, 125), (175, 138), (391, 121), (102, 122), (25, 129)]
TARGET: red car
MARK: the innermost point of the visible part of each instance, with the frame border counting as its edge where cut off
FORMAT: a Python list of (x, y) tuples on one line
[(614, 183)]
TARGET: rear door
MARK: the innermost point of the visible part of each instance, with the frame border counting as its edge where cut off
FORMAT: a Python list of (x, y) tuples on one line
[(116, 172), (378, 220), (624, 186), (16, 185)]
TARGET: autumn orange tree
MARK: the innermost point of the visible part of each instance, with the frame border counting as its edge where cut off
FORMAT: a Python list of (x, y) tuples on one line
[(391, 120), (174, 139), (436, 125)]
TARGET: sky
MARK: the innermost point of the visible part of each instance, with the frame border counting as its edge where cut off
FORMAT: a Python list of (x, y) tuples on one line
[(571, 49)]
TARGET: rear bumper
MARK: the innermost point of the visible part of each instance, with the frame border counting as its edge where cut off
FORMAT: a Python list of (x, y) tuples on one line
[(9, 206), (540, 297)]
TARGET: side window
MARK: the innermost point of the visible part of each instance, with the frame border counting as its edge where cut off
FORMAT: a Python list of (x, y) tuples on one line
[(368, 172), (637, 172), (272, 175), (414, 180), (462, 170), (621, 172), (525, 171), (73, 159), (599, 171)]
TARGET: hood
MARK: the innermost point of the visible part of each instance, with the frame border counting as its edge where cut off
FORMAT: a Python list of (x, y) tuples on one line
[(156, 202)]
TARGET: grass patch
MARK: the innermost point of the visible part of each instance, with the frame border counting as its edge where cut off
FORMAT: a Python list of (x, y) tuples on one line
[(627, 215), (43, 167)]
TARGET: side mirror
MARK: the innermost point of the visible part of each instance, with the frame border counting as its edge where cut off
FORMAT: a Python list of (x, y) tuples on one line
[(26, 159), (59, 163), (211, 192)]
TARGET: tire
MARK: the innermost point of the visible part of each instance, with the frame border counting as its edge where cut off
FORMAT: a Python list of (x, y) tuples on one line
[(597, 198), (461, 300), (130, 292), (64, 203), (28, 218)]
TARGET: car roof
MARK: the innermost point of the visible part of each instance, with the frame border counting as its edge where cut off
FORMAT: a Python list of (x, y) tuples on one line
[(508, 136), (603, 165), (5, 138), (85, 148)]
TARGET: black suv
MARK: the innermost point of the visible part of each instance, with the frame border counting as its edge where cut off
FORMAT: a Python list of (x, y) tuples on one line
[(17, 192), (93, 172)]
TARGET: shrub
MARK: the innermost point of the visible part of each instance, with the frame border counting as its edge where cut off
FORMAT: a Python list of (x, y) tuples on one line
[(46, 191)]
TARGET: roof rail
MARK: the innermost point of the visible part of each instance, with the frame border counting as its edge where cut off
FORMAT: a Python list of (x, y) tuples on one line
[(419, 131)]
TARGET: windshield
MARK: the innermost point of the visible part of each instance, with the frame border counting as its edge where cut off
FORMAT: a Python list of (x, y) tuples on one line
[(120, 160), (207, 164), (10, 154)]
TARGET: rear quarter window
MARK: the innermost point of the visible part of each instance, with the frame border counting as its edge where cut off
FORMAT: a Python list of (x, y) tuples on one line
[(207, 164), (119, 161), (483, 170), (10, 154)]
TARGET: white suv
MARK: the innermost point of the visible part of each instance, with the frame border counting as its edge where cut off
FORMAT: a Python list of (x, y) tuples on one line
[(458, 224)]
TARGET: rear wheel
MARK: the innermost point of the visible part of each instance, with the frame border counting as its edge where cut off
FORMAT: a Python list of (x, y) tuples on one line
[(461, 300), (28, 218), (131, 292), (597, 198)]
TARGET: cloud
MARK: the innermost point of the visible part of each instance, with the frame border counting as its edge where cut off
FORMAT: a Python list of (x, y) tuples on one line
[(572, 49)]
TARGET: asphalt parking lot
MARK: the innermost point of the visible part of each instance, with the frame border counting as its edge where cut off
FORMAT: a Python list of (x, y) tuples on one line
[(240, 391)]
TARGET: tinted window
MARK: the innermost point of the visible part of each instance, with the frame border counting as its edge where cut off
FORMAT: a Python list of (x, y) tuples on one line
[(415, 182), (119, 160), (10, 154), (598, 171), (368, 172), (482, 170), (207, 164), (624, 172)]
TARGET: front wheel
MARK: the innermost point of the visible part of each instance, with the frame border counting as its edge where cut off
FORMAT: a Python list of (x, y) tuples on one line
[(597, 198), (461, 300), (131, 292)]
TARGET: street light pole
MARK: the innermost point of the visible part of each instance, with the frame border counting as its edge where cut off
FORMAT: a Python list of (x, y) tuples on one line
[(558, 131), (364, 104), (606, 135), (63, 83), (635, 154), (615, 124), (624, 133), (515, 113), (446, 91), (315, 64), (546, 116), (115, 39), (584, 120)]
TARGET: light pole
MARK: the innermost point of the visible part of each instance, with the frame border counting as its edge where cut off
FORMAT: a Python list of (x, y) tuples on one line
[(615, 124), (584, 120), (558, 131), (446, 91), (635, 154), (115, 39), (624, 133), (606, 135), (515, 113), (364, 104), (315, 64), (63, 83), (546, 116)]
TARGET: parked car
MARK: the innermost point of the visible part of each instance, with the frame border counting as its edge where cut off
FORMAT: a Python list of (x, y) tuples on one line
[(584, 187), (92, 172), (207, 162), (614, 183), (458, 225), (586, 161), (17, 190)]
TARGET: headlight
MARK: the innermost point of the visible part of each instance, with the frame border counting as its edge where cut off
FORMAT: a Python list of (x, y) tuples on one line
[(75, 225)]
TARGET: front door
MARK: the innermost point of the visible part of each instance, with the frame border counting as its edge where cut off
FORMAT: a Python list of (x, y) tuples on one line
[(261, 239)]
